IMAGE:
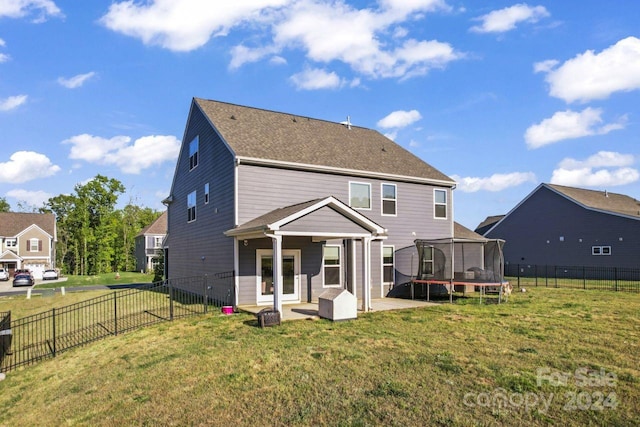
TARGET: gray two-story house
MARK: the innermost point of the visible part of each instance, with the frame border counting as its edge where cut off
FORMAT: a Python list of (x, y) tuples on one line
[(557, 225), (295, 205), (148, 244)]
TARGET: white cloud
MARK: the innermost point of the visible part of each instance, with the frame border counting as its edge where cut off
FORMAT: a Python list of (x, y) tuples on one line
[(605, 168), (371, 41), (4, 57), (315, 78), (12, 102), (33, 198), (568, 125), (22, 8), (2, 43), (399, 119), (500, 21), (545, 66), (335, 31), (591, 75), (496, 182), (118, 151), (184, 25), (75, 81), (26, 166)]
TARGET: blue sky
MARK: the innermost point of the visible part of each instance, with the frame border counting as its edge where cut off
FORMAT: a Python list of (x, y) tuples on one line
[(499, 95)]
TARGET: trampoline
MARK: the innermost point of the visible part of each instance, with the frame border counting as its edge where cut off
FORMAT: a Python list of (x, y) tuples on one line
[(466, 264)]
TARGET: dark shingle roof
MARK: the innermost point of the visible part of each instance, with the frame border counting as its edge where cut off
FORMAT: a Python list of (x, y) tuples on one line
[(276, 215), (601, 200), (254, 133), (13, 223), (489, 222), (159, 226), (462, 232)]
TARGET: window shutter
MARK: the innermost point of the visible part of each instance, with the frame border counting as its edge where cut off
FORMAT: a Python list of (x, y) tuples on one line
[(28, 245), (39, 245)]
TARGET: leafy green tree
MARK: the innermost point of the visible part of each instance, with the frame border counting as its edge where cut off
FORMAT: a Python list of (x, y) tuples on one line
[(4, 205)]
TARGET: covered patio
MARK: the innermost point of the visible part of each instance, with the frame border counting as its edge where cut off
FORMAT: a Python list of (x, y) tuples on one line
[(302, 225), (310, 310)]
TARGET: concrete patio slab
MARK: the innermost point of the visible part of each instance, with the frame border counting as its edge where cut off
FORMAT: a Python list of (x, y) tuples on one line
[(310, 310)]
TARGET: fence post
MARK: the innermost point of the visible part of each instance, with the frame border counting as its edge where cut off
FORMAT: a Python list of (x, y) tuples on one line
[(206, 299), (615, 274), (584, 278), (170, 300), (518, 275), (54, 330), (115, 313)]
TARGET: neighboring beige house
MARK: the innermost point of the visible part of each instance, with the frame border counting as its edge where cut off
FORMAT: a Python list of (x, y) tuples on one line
[(148, 242), (27, 241)]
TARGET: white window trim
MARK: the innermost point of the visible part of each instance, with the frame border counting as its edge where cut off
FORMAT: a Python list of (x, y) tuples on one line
[(382, 199), (31, 244), (206, 194), (446, 204), (11, 243), (370, 196), (393, 264), (599, 250), (339, 266)]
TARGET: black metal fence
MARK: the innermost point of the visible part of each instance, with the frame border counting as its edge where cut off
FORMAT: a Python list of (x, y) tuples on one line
[(599, 278), (46, 334)]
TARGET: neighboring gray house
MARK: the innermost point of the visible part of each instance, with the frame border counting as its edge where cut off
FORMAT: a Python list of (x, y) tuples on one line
[(295, 205), (566, 226), (149, 242)]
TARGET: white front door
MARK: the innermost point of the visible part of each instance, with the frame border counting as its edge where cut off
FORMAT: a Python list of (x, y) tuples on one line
[(290, 275)]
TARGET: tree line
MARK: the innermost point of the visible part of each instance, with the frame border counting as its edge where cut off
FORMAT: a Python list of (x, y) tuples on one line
[(93, 236)]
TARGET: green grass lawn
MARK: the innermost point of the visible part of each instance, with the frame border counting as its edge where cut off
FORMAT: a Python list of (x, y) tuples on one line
[(99, 279), (548, 356)]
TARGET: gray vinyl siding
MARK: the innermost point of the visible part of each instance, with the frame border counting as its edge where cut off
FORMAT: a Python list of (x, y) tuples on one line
[(532, 233), (200, 247), (140, 253), (325, 219), (310, 267), (264, 189)]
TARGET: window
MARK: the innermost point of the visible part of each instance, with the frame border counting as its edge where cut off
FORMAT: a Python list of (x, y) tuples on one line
[(206, 193), (34, 245), (193, 153), (157, 241), (388, 272), (360, 195), (331, 265), (440, 203), (427, 262), (389, 199), (601, 250), (191, 207), (11, 243)]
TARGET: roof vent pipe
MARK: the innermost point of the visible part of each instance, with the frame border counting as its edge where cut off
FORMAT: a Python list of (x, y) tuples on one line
[(348, 122), (606, 194)]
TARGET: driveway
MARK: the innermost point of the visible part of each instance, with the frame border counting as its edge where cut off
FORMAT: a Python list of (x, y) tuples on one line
[(6, 288)]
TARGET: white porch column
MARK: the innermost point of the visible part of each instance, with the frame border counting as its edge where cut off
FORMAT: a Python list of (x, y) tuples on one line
[(277, 272), (366, 274), (353, 263)]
